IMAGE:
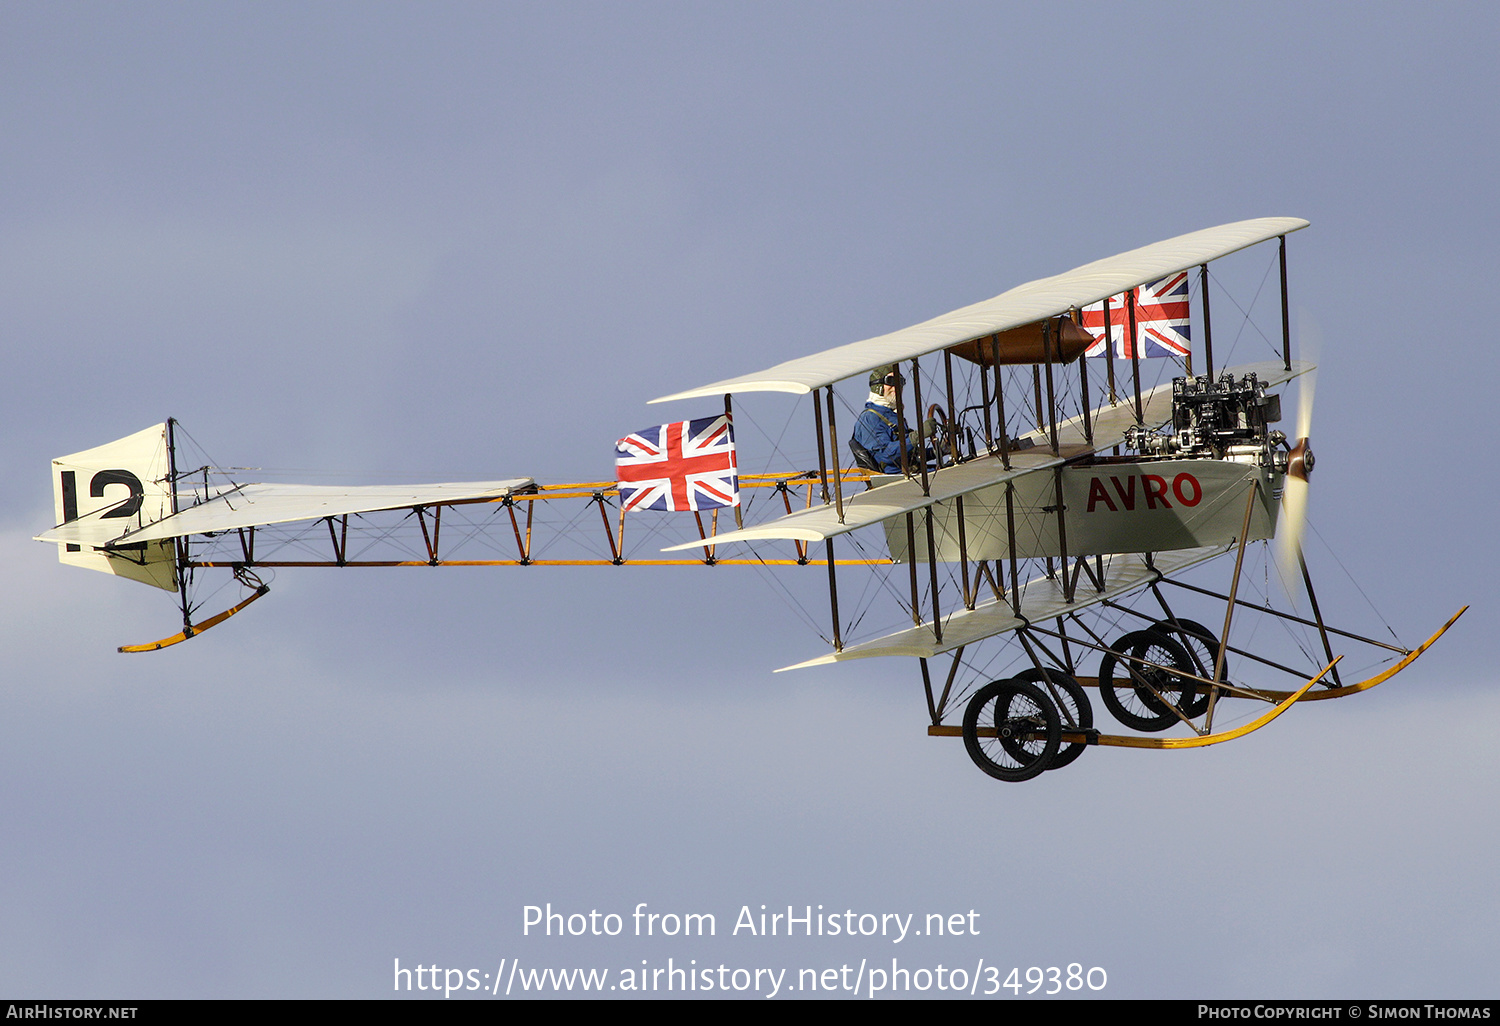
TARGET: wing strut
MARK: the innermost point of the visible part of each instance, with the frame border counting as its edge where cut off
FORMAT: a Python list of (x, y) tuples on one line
[(179, 545)]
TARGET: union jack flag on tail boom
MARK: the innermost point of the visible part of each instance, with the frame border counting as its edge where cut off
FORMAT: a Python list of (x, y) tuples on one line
[(687, 465), (1161, 320)]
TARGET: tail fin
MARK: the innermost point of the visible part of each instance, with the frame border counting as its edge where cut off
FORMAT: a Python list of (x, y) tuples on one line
[(105, 492)]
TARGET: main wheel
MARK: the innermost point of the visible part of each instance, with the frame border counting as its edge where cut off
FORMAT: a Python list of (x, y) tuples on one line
[(1132, 702), (1077, 712), (1202, 646), (1025, 726)]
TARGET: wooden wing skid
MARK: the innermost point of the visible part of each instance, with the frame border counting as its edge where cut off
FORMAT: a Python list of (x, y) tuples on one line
[(256, 505)]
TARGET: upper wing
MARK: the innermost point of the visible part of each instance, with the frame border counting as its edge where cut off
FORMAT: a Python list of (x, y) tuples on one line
[(1024, 304)]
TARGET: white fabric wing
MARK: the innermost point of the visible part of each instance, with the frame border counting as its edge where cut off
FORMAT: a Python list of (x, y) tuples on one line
[(1024, 304), (254, 505)]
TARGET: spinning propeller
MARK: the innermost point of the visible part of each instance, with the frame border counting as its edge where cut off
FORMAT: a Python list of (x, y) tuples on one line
[(1299, 465)]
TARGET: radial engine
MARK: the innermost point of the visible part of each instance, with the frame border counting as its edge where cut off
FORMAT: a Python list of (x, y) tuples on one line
[(1222, 419)]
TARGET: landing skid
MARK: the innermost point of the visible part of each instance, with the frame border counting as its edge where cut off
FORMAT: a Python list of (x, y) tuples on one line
[(193, 630)]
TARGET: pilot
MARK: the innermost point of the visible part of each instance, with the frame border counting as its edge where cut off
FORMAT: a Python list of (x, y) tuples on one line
[(876, 442)]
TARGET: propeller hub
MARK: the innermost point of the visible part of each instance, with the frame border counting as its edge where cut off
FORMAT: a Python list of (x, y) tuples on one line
[(1300, 461)]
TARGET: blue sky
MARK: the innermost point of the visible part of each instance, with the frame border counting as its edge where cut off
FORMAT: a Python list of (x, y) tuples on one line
[(462, 241)]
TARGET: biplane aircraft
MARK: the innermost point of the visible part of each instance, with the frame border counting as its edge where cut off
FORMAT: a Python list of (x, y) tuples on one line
[(1048, 498)]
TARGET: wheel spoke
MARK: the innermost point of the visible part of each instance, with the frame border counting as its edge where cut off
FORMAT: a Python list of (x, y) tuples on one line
[(1072, 703), (1011, 730), (1143, 697)]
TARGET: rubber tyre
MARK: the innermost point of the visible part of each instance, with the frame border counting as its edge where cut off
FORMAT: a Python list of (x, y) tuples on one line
[(1130, 703), (1202, 647), (1075, 706), (1012, 707)]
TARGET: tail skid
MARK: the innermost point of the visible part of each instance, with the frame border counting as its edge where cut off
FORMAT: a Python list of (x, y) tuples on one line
[(193, 630)]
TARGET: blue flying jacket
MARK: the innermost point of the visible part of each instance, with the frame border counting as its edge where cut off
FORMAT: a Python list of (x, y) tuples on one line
[(876, 429)]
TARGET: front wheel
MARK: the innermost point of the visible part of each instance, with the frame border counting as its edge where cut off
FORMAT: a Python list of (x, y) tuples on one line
[(1012, 730)]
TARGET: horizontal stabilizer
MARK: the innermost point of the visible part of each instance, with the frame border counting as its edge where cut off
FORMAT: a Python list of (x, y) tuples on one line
[(94, 531), (255, 505)]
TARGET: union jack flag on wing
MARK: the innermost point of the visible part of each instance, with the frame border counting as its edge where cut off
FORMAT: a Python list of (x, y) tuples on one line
[(687, 465), (1161, 320)]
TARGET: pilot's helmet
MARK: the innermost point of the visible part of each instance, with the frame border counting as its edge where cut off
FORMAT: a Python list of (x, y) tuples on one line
[(886, 374)]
